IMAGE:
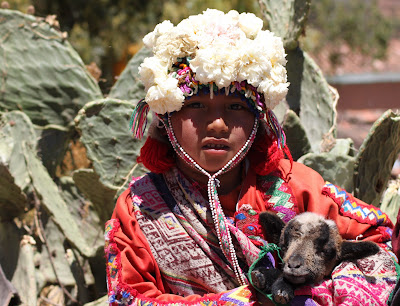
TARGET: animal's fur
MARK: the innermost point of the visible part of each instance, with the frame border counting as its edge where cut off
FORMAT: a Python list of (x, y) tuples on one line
[(311, 247)]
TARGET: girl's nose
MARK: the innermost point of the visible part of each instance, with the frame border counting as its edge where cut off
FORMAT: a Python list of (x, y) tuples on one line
[(217, 125)]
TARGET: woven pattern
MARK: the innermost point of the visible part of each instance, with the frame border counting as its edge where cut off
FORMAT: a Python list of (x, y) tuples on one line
[(120, 294), (278, 196), (367, 281), (351, 207)]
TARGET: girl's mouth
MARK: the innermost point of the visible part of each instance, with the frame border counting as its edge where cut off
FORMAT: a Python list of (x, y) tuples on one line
[(215, 146)]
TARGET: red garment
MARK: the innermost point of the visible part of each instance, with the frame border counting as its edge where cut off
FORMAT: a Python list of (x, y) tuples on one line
[(396, 236), (139, 268)]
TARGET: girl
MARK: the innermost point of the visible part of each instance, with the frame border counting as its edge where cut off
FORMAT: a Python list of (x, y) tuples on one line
[(187, 232)]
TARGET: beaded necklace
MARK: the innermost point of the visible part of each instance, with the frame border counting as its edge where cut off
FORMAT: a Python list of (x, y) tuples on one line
[(219, 219)]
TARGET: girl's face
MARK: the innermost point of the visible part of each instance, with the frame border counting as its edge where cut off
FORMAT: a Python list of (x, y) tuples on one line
[(212, 131)]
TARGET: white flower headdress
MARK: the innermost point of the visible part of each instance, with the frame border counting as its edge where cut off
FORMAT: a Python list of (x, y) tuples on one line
[(212, 49)]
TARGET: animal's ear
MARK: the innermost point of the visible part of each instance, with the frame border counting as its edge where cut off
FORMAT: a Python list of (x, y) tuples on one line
[(352, 250), (272, 226)]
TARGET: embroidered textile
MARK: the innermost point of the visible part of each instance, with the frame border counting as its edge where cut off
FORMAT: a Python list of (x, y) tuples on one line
[(367, 281), (187, 268), (246, 219), (177, 223), (278, 196), (351, 207), (122, 295)]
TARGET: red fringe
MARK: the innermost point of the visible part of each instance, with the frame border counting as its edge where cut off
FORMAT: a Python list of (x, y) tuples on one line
[(156, 156), (265, 154)]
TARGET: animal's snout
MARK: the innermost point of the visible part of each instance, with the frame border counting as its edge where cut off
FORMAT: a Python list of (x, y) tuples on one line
[(295, 262)]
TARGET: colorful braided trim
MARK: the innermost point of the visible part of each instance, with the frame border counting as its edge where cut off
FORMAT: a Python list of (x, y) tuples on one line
[(353, 208), (119, 293)]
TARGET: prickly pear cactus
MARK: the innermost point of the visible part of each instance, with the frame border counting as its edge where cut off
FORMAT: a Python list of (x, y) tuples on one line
[(42, 75), (376, 157), (128, 86), (52, 145), (104, 126), (53, 202), (311, 98), (286, 18), (337, 169), (391, 200), (343, 146), (15, 128), (101, 196), (296, 137), (24, 278)]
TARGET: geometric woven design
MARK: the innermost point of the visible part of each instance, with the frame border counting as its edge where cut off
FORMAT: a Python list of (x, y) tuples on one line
[(120, 294), (241, 296), (278, 196), (367, 281), (353, 208)]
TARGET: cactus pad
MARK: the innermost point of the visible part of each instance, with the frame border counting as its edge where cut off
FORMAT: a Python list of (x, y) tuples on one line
[(296, 137), (391, 200), (343, 146), (101, 196), (376, 157), (41, 74), (286, 19), (337, 169), (311, 98), (128, 86), (51, 199), (15, 128), (104, 128)]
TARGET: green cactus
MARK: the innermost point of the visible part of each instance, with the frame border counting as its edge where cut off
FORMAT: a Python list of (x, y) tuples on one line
[(55, 240), (24, 278), (102, 197), (51, 83), (337, 169), (52, 145), (376, 157), (51, 199), (311, 98), (15, 128), (343, 147), (128, 86), (104, 126), (286, 19), (296, 137), (391, 200)]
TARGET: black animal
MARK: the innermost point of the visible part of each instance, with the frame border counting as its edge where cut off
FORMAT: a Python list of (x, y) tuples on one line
[(311, 247)]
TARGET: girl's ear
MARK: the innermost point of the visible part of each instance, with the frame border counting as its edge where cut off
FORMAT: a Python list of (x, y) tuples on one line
[(272, 226), (352, 250)]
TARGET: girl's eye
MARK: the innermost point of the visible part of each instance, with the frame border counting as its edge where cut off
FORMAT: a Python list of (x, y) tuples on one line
[(195, 105), (237, 106)]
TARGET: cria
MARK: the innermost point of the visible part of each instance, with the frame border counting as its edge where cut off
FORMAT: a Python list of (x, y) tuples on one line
[(311, 247)]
